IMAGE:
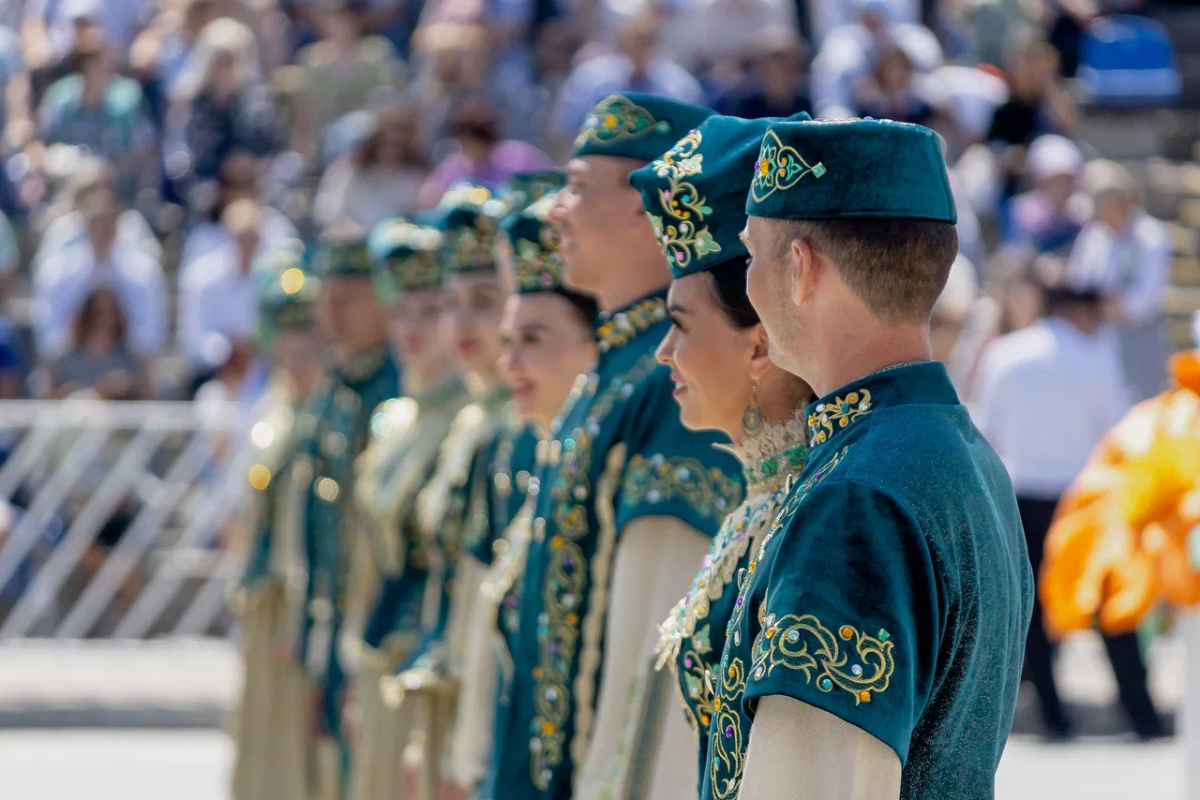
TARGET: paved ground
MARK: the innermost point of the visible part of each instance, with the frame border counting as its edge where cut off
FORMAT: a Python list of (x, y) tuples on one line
[(193, 765), (159, 707)]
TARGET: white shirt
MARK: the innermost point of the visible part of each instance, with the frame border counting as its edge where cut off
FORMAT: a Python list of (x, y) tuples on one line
[(274, 230), (66, 277), (218, 303), (1047, 395)]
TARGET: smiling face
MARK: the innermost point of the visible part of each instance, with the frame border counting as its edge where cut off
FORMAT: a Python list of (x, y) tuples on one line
[(474, 305), (546, 343), (710, 359), (415, 329)]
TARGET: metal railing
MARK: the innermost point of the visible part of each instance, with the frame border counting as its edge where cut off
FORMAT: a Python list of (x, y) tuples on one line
[(117, 515)]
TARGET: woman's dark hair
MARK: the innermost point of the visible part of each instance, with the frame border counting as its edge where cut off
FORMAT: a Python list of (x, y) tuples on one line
[(85, 320), (584, 305), (729, 290), (475, 118)]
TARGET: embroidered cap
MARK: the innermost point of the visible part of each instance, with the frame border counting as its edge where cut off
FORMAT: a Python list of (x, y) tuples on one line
[(695, 193), (844, 169), (469, 219), (404, 257), (537, 263), (288, 294), (343, 254), (635, 125), (523, 189)]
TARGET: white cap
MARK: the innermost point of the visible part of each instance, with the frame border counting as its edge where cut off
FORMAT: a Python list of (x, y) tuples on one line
[(1052, 155)]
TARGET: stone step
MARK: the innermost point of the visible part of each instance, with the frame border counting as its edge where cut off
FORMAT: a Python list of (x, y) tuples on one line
[(1181, 301)]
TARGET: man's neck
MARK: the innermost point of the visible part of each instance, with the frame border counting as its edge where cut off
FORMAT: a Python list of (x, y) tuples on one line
[(853, 358), (635, 281), (350, 352)]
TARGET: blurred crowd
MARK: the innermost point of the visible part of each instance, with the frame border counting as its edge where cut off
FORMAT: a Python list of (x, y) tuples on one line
[(153, 149)]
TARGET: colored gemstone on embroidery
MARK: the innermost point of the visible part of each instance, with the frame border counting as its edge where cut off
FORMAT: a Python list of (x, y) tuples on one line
[(653, 495), (551, 694), (758, 673), (826, 684), (864, 696), (857, 670), (737, 638), (793, 636), (883, 635), (846, 632), (728, 731)]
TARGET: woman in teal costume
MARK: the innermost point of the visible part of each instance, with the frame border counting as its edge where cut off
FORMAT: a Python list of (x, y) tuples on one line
[(406, 436), (271, 757), (724, 380), (548, 340)]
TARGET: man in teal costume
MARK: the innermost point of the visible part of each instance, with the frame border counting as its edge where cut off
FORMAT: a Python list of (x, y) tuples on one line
[(626, 505), (333, 432), (877, 640)]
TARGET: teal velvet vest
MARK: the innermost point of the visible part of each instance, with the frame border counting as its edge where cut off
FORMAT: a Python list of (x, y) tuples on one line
[(892, 591)]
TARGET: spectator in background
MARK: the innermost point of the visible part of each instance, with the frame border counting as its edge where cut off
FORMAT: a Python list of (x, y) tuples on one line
[(483, 155), (65, 227), (1126, 254), (161, 52), (66, 278), (218, 296), (1037, 105), (101, 359), (102, 113), (14, 368), (220, 106), (58, 22), (1044, 218), (777, 85), (850, 52), (889, 92), (345, 70), (380, 178), (238, 180), (639, 66), (1049, 366)]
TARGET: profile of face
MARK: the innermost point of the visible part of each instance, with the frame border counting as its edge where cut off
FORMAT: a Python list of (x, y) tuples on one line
[(474, 306), (546, 342), (774, 287), (351, 312), (593, 213), (713, 363), (415, 330), (298, 354)]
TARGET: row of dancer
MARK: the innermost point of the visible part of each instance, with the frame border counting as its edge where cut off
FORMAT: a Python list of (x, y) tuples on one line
[(470, 575)]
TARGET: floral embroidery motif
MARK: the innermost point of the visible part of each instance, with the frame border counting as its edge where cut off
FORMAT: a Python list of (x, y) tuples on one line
[(678, 231), (617, 119), (658, 479), (841, 411), (623, 327), (779, 168), (786, 641), (726, 743), (558, 631)]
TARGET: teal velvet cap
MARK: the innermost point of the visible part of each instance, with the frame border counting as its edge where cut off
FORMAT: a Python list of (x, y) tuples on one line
[(522, 189), (288, 296), (469, 219), (404, 258), (635, 125), (851, 169), (537, 262), (342, 259), (695, 193)]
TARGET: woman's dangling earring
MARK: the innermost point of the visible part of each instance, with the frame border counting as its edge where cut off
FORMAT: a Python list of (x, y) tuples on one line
[(752, 419)]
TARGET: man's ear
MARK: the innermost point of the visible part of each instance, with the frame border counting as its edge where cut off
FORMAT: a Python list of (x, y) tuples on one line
[(804, 271)]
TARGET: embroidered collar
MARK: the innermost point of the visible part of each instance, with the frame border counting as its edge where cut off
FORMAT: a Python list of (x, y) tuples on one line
[(917, 382), (361, 366), (772, 455), (618, 328)]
